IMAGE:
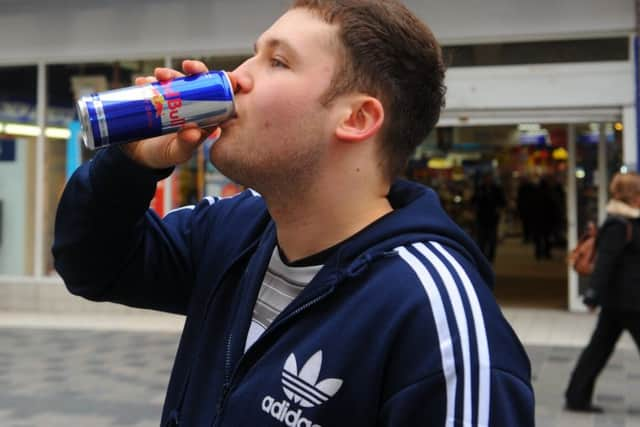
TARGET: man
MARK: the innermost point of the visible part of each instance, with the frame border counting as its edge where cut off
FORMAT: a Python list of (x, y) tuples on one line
[(332, 297), (488, 200)]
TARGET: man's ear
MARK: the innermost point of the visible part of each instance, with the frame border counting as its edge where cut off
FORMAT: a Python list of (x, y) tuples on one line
[(363, 120)]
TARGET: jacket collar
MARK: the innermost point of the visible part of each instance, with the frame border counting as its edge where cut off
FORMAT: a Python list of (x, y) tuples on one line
[(417, 217), (617, 207)]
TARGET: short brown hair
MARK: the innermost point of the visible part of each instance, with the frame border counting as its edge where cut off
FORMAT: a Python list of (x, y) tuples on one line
[(625, 186), (392, 55)]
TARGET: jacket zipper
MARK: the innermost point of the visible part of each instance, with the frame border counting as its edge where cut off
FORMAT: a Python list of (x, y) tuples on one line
[(175, 414), (331, 283), (230, 377), (227, 375)]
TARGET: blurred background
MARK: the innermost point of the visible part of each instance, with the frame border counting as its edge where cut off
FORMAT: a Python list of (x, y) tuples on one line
[(542, 103)]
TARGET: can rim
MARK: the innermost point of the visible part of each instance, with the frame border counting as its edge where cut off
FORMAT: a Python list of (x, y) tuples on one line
[(233, 95), (87, 131)]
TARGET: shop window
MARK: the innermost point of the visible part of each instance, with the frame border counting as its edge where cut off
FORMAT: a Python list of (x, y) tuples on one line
[(64, 151), (588, 178), (17, 166)]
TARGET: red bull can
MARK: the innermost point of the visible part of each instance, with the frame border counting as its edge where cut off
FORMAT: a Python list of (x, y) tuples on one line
[(138, 112)]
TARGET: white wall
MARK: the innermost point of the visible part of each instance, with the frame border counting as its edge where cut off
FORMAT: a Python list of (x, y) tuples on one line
[(13, 193), (473, 21), (606, 84), (82, 29)]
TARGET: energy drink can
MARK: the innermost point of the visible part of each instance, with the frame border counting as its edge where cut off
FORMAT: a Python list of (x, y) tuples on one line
[(138, 112)]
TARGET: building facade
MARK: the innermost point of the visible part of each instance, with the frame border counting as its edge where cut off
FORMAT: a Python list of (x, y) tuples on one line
[(568, 67)]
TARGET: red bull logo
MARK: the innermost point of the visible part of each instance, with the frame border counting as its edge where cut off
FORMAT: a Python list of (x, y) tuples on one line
[(158, 102), (174, 103), (169, 99)]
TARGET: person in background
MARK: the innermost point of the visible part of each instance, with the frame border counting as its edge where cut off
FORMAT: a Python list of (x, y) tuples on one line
[(543, 217), (559, 197), (526, 190), (329, 293), (614, 286), (488, 200)]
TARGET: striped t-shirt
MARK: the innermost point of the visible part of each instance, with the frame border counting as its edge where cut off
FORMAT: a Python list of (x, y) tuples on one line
[(281, 285)]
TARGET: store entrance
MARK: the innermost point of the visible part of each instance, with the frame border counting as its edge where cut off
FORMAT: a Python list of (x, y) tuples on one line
[(510, 188)]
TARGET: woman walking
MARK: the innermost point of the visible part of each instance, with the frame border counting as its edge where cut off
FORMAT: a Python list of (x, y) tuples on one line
[(614, 286)]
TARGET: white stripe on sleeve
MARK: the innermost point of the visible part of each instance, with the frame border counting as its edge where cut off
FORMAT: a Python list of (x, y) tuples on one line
[(442, 327), (484, 383), (189, 207), (461, 320)]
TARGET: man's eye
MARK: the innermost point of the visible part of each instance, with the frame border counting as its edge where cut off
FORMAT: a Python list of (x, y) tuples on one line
[(275, 62)]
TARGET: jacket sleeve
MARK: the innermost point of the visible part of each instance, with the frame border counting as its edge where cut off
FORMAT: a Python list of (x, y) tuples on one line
[(424, 403), (612, 239), (108, 246)]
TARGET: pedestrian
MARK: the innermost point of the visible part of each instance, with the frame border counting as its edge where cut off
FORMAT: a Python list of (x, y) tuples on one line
[(329, 294), (488, 200), (543, 217), (613, 286), (525, 196)]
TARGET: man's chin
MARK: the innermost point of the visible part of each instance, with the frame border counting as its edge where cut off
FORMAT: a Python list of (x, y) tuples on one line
[(228, 167)]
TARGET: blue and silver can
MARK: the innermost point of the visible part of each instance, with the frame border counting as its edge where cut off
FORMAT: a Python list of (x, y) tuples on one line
[(138, 112)]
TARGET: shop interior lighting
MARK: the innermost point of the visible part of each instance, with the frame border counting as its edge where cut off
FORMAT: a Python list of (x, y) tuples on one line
[(18, 129), (619, 127), (439, 163), (57, 133), (21, 130), (529, 127), (560, 153)]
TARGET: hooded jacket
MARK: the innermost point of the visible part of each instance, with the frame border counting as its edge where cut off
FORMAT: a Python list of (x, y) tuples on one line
[(398, 328), (615, 281)]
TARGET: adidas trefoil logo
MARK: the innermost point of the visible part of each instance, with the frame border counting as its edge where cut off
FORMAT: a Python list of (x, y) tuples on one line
[(303, 388)]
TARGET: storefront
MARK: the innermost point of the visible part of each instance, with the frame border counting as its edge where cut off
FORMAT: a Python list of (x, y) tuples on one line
[(34, 167), (550, 175)]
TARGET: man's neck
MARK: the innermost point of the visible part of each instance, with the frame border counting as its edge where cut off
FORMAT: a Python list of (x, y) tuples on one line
[(319, 220)]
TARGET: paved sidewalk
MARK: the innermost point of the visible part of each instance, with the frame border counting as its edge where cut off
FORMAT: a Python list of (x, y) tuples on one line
[(112, 370)]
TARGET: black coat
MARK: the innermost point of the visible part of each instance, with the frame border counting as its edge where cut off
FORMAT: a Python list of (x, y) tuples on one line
[(616, 276)]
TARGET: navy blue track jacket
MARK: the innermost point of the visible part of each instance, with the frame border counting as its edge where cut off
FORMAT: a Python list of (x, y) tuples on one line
[(399, 328)]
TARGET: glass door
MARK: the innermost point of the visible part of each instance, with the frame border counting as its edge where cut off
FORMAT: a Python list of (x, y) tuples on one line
[(595, 155)]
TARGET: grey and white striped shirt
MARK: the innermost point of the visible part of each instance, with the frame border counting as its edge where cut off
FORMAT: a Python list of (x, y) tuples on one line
[(281, 285)]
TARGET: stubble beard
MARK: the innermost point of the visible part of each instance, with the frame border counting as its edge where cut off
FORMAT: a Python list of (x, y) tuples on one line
[(282, 178)]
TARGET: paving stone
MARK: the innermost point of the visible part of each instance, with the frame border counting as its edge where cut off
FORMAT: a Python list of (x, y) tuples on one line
[(108, 378)]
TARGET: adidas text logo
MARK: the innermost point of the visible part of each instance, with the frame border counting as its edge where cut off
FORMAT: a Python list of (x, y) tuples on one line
[(280, 411)]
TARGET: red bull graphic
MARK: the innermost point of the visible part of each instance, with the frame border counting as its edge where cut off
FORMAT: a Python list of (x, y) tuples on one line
[(139, 112), (158, 102), (174, 102)]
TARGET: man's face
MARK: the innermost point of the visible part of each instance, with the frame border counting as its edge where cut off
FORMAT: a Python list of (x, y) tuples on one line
[(282, 130)]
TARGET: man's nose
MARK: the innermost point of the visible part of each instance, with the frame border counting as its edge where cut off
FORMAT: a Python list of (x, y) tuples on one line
[(241, 79)]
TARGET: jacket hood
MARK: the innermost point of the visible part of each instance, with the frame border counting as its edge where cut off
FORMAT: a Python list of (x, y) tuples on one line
[(417, 217), (617, 207)]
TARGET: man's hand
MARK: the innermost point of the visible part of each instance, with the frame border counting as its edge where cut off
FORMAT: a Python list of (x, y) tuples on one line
[(172, 149)]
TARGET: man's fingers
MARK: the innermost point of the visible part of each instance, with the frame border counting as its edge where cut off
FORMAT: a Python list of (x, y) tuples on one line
[(192, 134), (141, 81), (187, 141), (164, 74), (194, 67)]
